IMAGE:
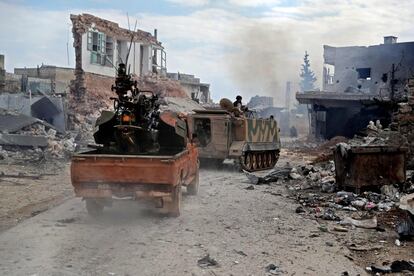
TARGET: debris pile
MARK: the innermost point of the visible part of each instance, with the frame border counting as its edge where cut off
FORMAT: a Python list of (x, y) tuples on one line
[(27, 139), (321, 181), (162, 86), (405, 228), (315, 189)]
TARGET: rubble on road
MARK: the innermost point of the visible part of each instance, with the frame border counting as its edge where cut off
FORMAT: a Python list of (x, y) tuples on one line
[(316, 190), (373, 222), (394, 267), (273, 269), (273, 176), (314, 186), (405, 228), (365, 223), (207, 261)]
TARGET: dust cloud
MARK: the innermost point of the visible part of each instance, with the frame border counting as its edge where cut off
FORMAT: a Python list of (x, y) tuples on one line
[(266, 56)]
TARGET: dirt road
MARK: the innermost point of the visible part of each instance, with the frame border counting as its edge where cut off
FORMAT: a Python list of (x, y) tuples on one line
[(243, 230)]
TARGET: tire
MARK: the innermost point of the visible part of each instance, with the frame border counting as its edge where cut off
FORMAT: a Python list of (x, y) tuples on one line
[(192, 189), (94, 208), (175, 208)]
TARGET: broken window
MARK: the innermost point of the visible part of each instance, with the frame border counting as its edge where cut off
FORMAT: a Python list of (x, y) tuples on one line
[(364, 73), (203, 131), (101, 48), (109, 50), (329, 72), (159, 60)]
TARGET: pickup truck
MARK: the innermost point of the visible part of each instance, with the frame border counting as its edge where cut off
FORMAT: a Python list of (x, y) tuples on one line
[(98, 178)]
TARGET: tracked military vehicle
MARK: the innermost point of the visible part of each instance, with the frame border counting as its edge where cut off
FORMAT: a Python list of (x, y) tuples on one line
[(223, 134)]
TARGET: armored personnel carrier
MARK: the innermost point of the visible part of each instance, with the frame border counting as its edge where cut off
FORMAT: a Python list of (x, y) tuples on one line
[(222, 134)]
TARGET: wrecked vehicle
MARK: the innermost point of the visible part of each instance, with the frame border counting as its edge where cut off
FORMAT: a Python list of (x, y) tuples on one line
[(141, 153), (253, 142)]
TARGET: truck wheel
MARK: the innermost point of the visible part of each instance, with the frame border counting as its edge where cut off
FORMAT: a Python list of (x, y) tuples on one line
[(192, 189), (175, 208), (93, 207)]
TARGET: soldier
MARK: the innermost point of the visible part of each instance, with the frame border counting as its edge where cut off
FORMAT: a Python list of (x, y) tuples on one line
[(238, 102)]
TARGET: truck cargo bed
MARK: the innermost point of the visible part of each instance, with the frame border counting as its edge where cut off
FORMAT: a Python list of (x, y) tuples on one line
[(91, 168)]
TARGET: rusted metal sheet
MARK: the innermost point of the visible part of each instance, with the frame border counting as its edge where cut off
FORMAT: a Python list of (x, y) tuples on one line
[(364, 166), (90, 168)]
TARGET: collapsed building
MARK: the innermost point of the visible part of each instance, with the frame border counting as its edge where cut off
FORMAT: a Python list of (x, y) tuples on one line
[(360, 84)]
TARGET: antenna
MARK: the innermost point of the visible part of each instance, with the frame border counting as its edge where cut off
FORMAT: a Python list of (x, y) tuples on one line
[(107, 59), (130, 44), (129, 27)]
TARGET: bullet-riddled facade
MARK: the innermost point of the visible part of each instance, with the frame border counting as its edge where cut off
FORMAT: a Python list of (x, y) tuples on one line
[(358, 81)]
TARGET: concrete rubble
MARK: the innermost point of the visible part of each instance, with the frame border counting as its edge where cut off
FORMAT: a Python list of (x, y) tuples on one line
[(28, 139), (314, 186)]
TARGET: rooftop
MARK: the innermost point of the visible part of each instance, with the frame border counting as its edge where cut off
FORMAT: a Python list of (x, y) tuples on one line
[(319, 97)]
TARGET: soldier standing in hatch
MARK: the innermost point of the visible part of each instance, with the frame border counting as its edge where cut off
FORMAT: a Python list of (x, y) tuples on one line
[(239, 105), (238, 102)]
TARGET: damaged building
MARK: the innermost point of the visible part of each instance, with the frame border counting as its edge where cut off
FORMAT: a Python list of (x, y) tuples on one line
[(264, 107), (46, 79), (37, 92), (195, 89), (100, 45), (360, 84)]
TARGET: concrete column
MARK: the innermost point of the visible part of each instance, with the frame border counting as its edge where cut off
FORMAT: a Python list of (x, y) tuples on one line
[(1, 62), (2, 74)]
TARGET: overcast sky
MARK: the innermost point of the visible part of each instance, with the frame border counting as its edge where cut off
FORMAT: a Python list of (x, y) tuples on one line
[(245, 47)]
